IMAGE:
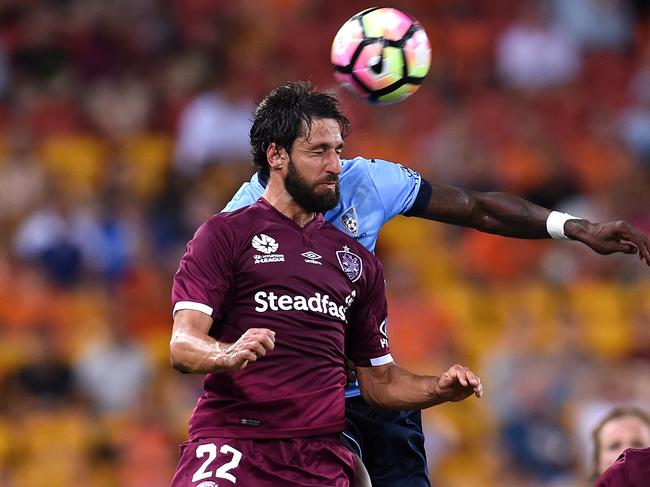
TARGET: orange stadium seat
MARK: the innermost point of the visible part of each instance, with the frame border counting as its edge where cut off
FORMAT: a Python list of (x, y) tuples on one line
[(601, 307), (148, 157), (76, 159)]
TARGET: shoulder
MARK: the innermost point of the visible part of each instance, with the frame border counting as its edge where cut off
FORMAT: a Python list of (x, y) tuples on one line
[(362, 165), (355, 164), (231, 221), (379, 172), (246, 195), (358, 168), (347, 244)]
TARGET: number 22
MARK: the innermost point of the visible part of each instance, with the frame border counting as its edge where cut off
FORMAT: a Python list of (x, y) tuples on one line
[(222, 472)]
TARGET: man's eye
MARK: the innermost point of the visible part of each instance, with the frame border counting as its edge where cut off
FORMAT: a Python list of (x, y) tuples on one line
[(614, 446)]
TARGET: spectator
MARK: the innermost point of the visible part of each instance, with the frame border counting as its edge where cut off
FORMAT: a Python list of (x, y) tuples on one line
[(113, 372), (21, 177), (45, 381), (533, 54), (622, 428), (63, 236), (596, 24), (635, 120), (213, 128)]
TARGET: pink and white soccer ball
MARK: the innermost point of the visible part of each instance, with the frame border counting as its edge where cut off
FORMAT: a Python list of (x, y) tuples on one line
[(381, 54)]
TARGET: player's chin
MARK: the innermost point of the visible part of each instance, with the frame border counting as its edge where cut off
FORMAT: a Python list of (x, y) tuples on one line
[(329, 192)]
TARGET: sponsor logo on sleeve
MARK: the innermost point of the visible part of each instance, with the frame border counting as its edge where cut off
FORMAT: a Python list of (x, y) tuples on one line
[(350, 263), (267, 246), (384, 340)]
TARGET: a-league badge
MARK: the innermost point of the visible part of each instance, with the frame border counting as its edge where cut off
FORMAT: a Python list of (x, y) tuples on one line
[(350, 263), (350, 221)]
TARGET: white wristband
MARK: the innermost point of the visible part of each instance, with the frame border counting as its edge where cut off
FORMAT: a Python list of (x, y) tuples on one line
[(555, 224)]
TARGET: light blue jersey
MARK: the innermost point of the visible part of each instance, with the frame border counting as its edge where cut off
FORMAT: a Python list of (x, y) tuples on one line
[(372, 192)]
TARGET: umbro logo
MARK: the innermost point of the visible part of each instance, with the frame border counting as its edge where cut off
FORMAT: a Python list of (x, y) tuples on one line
[(312, 257)]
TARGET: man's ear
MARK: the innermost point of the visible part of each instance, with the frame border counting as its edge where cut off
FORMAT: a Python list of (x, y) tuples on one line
[(277, 156)]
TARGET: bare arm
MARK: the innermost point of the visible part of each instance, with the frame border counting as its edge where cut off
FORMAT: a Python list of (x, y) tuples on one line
[(392, 387), (511, 216), (193, 350)]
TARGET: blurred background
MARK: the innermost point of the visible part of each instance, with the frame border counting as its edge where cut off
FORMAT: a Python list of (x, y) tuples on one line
[(124, 125)]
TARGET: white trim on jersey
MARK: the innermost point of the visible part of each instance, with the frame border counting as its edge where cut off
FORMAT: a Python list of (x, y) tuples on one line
[(386, 359), (203, 308), (352, 439)]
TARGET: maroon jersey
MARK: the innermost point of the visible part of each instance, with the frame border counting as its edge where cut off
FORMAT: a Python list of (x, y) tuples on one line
[(317, 288), (632, 469), (296, 462)]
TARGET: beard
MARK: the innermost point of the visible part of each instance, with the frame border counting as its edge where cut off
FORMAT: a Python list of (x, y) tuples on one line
[(305, 194)]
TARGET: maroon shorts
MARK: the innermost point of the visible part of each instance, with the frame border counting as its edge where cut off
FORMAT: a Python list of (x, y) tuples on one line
[(301, 462)]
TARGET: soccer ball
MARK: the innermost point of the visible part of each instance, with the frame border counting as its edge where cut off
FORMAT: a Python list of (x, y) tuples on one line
[(381, 54)]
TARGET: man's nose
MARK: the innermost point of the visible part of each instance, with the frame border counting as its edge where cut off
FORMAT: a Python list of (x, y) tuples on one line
[(334, 163)]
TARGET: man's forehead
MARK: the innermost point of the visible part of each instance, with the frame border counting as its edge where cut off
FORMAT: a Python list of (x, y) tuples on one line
[(322, 129)]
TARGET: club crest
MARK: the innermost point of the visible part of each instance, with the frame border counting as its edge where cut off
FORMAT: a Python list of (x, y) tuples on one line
[(350, 221), (350, 263)]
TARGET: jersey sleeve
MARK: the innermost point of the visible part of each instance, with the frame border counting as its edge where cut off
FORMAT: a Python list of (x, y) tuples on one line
[(204, 276), (366, 340), (397, 186), (248, 193)]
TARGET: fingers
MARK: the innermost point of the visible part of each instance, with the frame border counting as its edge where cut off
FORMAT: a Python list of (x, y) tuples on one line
[(627, 248), (618, 236), (477, 386), (642, 243), (243, 358), (260, 339), (255, 347), (638, 241), (466, 378), (474, 382), (644, 250), (254, 343)]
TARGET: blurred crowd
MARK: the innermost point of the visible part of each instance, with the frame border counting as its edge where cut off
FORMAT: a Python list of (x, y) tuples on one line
[(124, 125)]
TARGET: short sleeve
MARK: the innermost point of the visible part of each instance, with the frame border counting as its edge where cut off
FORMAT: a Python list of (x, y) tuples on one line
[(204, 276), (367, 341), (397, 186)]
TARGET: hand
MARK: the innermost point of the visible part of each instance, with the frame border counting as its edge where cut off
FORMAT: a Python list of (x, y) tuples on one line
[(254, 343), (458, 383), (610, 237)]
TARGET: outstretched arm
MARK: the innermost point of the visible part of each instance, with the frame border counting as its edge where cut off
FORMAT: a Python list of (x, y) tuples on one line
[(392, 387), (509, 215), (193, 350)]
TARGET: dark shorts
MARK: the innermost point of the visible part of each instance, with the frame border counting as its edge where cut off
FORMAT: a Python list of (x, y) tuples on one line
[(302, 462), (392, 444)]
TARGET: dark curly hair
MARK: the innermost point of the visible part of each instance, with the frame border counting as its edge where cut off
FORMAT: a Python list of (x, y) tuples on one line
[(282, 116)]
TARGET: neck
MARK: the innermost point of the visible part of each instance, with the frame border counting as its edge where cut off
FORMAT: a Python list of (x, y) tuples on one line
[(277, 196)]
